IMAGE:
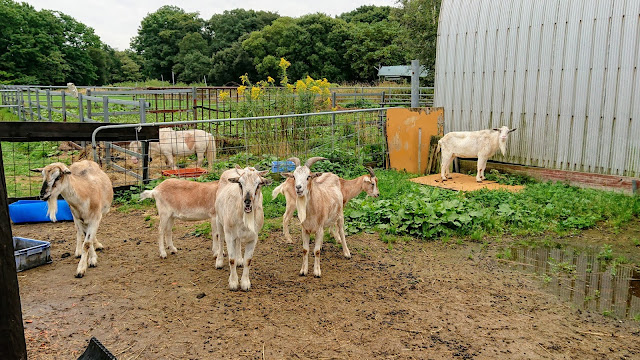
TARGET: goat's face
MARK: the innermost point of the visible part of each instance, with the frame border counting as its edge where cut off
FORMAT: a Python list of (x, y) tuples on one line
[(250, 181), (302, 177), (53, 178), (371, 186), (504, 132)]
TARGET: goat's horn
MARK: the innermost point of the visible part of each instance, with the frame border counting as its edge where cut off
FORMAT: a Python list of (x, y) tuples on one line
[(370, 170), (238, 167), (313, 160), (295, 160)]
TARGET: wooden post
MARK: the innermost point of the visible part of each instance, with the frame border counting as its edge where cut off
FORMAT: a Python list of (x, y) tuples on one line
[(12, 343)]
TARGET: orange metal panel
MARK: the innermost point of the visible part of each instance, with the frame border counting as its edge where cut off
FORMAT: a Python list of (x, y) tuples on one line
[(403, 127)]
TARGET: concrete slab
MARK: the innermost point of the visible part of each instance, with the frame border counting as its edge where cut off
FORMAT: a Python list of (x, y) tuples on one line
[(462, 182)]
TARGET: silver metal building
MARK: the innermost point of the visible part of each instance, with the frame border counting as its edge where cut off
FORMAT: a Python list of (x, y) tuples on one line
[(564, 72)]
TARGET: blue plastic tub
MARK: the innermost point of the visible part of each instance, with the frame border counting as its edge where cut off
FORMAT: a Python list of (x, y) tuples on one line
[(30, 253), (24, 211), (282, 166)]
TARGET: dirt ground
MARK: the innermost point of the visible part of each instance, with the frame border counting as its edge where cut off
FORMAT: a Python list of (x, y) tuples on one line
[(415, 300)]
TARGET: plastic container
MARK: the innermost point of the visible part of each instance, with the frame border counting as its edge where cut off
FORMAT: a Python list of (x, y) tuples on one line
[(282, 166), (24, 211), (183, 173), (30, 253)]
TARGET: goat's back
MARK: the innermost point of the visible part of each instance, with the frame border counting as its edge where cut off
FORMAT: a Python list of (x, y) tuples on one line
[(469, 143), (324, 203), (90, 182), (185, 196)]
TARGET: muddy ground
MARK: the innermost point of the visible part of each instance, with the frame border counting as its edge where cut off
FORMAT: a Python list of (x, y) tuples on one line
[(415, 300)]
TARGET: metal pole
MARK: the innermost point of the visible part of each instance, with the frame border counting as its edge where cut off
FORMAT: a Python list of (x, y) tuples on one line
[(64, 106), (145, 145), (194, 94), (29, 98), (105, 118), (333, 121), (49, 105), (12, 342), (89, 105), (80, 108), (415, 83), (21, 115), (38, 104)]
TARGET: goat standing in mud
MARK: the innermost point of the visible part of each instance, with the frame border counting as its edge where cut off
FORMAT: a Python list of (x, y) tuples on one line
[(89, 193)]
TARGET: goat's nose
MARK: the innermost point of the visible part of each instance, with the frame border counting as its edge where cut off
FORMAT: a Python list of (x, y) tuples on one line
[(298, 186), (247, 201)]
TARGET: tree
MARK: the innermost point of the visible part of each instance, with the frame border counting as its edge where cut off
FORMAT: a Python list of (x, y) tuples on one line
[(228, 64), (159, 36), (226, 28), (419, 18), (367, 14)]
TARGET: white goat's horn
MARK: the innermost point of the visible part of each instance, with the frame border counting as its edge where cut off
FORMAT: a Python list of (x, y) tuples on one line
[(312, 161), (295, 160), (370, 170)]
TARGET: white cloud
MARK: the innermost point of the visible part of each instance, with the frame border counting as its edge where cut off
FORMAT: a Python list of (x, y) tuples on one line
[(116, 22)]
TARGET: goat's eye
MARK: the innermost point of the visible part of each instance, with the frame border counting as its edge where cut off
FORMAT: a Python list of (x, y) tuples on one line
[(309, 177)]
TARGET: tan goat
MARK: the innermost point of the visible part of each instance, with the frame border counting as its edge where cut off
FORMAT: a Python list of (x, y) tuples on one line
[(185, 200), (89, 193), (349, 189), (240, 218), (319, 204)]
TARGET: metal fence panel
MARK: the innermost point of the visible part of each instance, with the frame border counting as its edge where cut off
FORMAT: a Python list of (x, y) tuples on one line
[(565, 73)]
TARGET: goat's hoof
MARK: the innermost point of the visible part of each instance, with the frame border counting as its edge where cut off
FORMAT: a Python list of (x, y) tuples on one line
[(79, 275), (93, 265), (233, 287), (173, 250), (302, 273), (478, 181), (317, 275), (164, 256), (245, 287)]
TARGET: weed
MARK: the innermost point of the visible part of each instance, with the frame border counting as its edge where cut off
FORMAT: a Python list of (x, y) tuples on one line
[(546, 278), (505, 254), (608, 313), (606, 254), (202, 230)]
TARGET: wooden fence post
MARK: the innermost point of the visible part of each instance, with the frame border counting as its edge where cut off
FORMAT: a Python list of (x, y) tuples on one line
[(12, 342)]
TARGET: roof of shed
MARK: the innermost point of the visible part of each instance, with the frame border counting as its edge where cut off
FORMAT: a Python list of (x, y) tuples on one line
[(400, 70)]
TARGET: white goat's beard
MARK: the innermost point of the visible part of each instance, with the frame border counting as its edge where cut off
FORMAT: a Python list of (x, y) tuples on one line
[(503, 148), (52, 207), (249, 219), (301, 206)]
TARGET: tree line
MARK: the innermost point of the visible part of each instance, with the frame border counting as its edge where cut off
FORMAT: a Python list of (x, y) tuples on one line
[(51, 48)]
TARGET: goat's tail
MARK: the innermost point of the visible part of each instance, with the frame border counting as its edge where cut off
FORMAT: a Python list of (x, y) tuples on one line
[(211, 150), (147, 194), (277, 190)]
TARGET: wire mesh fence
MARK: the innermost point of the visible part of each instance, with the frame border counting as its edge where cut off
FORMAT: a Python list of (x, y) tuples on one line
[(184, 148)]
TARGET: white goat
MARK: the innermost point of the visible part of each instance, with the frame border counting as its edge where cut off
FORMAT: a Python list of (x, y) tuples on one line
[(89, 193), (468, 144), (319, 204), (71, 87), (349, 189), (185, 200), (240, 218), (183, 143)]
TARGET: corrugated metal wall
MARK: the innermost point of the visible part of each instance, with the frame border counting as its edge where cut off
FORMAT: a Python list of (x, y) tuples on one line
[(564, 72)]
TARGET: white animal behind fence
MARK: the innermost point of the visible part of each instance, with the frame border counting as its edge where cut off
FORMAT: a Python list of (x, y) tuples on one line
[(184, 143), (89, 193), (481, 144)]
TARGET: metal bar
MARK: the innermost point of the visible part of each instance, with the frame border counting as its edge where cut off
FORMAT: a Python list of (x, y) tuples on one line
[(80, 108), (415, 83), (29, 97), (121, 169), (38, 104), (126, 151), (113, 101), (88, 97), (64, 107), (105, 119), (49, 105)]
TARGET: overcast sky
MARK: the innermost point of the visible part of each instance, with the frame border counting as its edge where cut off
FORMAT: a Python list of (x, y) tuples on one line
[(117, 21)]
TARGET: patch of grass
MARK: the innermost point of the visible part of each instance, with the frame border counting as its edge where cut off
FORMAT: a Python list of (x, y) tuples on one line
[(505, 254), (202, 230)]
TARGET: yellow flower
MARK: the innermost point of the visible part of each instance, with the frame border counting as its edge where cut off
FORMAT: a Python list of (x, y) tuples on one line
[(309, 80), (284, 64), (270, 80), (290, 87), (241, 89), (285, 81), (224, 96), (300, 86), (255, 92), (335, 108), (326, 91), (327, 103), (244, 78), (315, 89)]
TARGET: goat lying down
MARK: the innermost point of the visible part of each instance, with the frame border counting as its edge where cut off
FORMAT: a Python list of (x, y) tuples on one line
[(240, 217), (349, 189), (89, 193), (319, 204), (185, 200), (481, 144)]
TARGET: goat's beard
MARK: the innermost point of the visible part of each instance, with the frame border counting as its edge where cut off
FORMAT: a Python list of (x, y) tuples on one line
[(503, 147), (52, 207), (249, 219), (301, 206)]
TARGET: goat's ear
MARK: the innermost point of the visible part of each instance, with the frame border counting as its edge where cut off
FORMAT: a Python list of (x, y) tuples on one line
[(367, 179), (512, 130), (263, 173), (38, 170), (287, 175), (237, 166), (315, 175), (266, 181), (496, 129), (66, 171), (234, 180)]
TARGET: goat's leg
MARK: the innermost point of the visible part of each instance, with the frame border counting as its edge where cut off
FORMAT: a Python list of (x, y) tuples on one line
[(221, 240), (316, 252), (162, 230), (286, 218), (217, 245), (231, 249), (200, 156), (343, 240), (245, 283), (87, 247), (169, 236), (305, 253), (171, 161), (80, 231), (239, 258), (98, 245), (482, 164), (445, 163)]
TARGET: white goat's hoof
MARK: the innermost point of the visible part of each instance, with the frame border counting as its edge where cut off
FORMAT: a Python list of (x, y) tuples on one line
[(240, 262), (245, 285), (317, 273), (98, 246), (220, 263), (479, 181), (93, 262), (79, 275), (173, 250), (163, 255), (233, 286), (303, 273)]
